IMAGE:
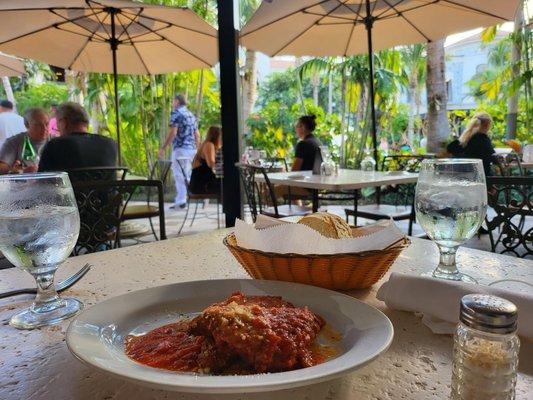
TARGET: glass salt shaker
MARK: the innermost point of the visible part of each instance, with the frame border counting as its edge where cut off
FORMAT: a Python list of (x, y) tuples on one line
[(485, 353)]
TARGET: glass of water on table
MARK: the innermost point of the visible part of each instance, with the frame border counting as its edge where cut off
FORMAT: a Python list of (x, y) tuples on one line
[(39, 226), (451, 203)]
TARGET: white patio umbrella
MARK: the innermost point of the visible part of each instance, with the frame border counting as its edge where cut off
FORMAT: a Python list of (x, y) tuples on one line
[(11, 66), (349, 27), (110, 36)]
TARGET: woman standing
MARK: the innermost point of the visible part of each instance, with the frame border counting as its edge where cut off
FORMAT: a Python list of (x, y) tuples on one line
[(475, 142)]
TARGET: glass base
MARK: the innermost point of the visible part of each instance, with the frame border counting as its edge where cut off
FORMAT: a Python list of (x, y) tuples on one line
[(457, 276), (29, 319)]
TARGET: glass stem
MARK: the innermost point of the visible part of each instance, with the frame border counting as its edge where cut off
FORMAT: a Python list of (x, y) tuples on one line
[(447, 264), (47, 298)]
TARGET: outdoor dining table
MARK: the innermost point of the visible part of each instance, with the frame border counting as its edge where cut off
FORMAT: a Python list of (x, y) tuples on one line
[(37, 364), (345, 180)]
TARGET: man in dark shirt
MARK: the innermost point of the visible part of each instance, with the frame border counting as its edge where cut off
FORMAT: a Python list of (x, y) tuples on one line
[(307, 148), (76, 147)]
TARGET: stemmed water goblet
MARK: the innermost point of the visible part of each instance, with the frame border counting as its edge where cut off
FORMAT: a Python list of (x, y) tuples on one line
[(39, 226)]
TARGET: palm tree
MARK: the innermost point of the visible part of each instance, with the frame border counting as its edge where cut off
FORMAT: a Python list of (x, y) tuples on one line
[(437, 99), (516, 53), (249, 80), (414, 65)]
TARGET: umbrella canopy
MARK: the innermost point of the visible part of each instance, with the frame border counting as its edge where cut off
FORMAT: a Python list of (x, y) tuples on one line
[(349, 27), (338, 27), (78, 35), (108, 36), (11, 66)]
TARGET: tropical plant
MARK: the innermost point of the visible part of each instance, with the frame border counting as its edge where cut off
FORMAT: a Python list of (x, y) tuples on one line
[(437, 99)]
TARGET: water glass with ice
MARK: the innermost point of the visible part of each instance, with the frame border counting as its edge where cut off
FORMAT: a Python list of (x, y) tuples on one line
[(39, 226), (450, 204)]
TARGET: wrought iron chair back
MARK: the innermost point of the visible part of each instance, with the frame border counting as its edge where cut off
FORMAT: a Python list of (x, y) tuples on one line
[(97, 174), (402, 194), (159, 172), (101, 205), (508, 165), (258, 196), (511, 230)]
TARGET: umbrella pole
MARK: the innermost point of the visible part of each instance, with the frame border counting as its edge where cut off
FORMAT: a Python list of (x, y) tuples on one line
[(114, 46), (369, 21)]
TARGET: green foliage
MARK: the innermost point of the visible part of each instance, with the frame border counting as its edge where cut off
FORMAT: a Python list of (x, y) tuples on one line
[(42, 95), (272, 128)]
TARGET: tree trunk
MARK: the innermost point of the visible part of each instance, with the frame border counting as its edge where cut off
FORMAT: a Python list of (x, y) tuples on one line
[(200, 95), (249, 87), (330, 94), (438, 127), (412, 108), (512, 101), (9, 91), (315, 83), (343, 120)]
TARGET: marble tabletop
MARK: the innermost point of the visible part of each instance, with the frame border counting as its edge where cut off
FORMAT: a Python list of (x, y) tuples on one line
[(347, 179), (37, 365)]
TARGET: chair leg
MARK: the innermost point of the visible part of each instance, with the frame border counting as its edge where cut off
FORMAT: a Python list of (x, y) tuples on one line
[(218, 215), (194, 215), (186, 215), (153, 230), (355, 200)]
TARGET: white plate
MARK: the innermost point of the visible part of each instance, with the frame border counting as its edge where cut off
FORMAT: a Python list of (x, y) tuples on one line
[(96, 336)]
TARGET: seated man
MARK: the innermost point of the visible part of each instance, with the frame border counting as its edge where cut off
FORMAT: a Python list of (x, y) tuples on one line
[(76, 147), (11, 153)]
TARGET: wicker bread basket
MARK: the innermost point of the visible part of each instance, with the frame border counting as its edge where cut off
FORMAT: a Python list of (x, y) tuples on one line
[(331, 271)]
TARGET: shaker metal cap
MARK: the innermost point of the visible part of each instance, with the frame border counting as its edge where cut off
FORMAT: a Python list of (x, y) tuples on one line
[(488, 313)]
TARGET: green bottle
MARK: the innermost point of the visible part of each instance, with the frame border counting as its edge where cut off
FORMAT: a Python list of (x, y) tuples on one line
[(29, 155)]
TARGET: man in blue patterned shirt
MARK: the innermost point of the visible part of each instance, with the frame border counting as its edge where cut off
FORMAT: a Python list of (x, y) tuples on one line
[(184, 136)]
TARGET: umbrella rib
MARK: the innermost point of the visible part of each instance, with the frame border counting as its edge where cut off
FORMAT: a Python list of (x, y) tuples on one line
[(73, 21), (299, 35), (397, 4), (135, 47), (353, 28), (144, 34), (176, 25), (331, 16), (12, 69), (38, 30), (78, 33), (406, 19), (126, 27), (169, 25), (101, 22), (80, 51), (473, 9), (284, 17), (349, 39), (173, 43)]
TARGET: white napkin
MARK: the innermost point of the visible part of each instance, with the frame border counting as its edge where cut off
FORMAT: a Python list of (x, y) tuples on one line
[(438, 300), (300, 239)]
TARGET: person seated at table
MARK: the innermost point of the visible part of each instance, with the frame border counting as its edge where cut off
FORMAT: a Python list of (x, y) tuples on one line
[(203, 179), (308, 146), (11, 157), (475, 141), (76, 147)]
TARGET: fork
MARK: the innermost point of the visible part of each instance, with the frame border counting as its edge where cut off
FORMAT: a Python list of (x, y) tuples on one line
[(61, 286)]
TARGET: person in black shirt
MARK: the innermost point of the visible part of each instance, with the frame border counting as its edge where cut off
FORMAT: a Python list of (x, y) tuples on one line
[(475, 142), (76, 147), (308, 146), (203, 178)]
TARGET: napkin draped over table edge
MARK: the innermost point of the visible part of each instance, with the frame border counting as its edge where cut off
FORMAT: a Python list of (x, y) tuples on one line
[(438, 300), (285, 237)]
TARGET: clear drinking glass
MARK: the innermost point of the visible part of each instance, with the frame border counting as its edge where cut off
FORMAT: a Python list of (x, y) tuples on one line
[(39, 226), (450, 203)]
